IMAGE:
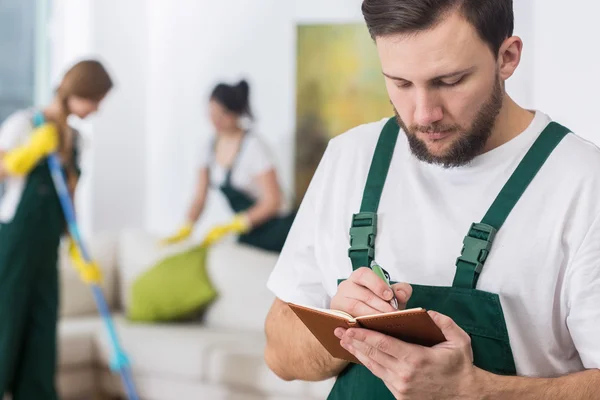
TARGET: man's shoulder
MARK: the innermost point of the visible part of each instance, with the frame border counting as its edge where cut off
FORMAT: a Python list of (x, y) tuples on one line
[(574, 164), (580, 153)]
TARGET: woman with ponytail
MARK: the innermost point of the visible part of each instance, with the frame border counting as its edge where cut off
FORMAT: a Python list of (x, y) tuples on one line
[(238, 163), (31, 226)]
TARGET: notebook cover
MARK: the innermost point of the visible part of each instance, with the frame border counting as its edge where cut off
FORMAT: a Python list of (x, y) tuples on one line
[(413, 327)]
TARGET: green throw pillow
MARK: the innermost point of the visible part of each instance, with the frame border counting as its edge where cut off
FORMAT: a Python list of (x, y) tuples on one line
[(174, 288)]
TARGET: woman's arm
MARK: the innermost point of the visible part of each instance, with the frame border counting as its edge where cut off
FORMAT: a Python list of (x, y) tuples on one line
[(197, 205), (3, 172), (269, 203), (20, 160)]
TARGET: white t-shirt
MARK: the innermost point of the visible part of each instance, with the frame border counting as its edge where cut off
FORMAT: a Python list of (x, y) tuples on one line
[(254, 159), (544, 263), (14, 132)]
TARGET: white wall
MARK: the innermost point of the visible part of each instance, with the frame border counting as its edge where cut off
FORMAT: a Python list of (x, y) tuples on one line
[(119, 174), (567, 64), (519, 86), (166, 56)]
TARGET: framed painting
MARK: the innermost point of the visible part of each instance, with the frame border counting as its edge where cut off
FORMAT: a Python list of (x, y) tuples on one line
[(339, 85)]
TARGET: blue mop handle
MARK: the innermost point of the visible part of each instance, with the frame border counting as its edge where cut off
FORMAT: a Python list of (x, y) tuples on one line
[(120, 361)]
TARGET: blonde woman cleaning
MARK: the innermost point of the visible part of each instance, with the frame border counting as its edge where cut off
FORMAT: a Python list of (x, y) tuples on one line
[(31, 226)]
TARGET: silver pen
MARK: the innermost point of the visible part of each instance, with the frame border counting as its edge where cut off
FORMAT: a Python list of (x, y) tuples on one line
[(380, 272)]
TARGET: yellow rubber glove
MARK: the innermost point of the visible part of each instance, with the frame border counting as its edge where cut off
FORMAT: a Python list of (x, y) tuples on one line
[(21, 160), (239, 224), (89, 272), (215, 234), (183, 233)]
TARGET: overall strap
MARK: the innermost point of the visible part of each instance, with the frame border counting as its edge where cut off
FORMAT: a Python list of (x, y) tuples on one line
[(478, 242), (364, 224)]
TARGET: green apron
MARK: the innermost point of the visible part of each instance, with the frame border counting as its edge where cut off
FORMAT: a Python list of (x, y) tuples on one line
[(29, 295), (269, 236), (477, 312)]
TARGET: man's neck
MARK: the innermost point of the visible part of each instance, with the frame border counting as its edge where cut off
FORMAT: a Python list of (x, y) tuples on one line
[(510, 123)]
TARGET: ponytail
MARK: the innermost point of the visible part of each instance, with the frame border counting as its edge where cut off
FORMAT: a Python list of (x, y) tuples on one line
[(64, 129), (235, 98), (244, 95)]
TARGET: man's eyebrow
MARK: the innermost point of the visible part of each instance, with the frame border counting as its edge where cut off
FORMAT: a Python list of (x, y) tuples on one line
[(445, 76)]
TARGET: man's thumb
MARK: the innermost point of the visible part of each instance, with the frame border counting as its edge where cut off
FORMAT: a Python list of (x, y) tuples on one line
[(452, 332)]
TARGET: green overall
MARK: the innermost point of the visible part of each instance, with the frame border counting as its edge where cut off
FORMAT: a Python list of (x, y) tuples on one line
[(269, 236), (477, 312), (29, 290)]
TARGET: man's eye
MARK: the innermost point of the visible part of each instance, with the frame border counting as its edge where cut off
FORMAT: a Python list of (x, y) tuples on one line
[(403, 85), (451, 82)]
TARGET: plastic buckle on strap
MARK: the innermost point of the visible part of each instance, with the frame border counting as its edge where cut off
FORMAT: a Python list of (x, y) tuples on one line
[(477, 245), (362, 233)]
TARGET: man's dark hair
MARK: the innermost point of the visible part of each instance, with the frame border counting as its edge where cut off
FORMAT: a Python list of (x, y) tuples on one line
[(493, 19)]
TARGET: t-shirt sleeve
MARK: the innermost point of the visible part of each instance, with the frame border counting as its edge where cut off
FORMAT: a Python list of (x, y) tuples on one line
[(583, 298), (204, 155), (14, 131), (258, 157), (297, 277)]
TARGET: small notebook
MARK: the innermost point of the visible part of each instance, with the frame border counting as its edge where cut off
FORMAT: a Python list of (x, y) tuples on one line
[(413, 326)]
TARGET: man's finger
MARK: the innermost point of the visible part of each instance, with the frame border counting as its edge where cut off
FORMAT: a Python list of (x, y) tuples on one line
[(403, 292), (368, 302), (388, 345), (377, 369), (366, 277)]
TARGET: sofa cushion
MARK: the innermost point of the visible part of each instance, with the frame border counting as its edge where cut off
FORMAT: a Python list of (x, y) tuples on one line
[(139, 251), (76, 338), (242, 366), (239, 273), (75, 296), (175, 288), (178, 350), (167, 388), (189, 351)]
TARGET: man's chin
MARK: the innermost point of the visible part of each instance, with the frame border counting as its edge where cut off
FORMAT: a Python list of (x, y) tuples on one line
[(439, 148), (439, 152)]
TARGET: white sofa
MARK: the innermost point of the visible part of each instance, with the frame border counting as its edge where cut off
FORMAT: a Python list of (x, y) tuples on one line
[(220, 357)]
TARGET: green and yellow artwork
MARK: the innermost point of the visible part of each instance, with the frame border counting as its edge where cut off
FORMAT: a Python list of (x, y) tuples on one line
[(339, 85)]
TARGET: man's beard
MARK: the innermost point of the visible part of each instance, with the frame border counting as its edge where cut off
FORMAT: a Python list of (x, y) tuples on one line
[(470, 142)]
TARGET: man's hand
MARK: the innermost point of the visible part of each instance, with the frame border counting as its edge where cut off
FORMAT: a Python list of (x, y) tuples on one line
[(445, 371), (364, 293)]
